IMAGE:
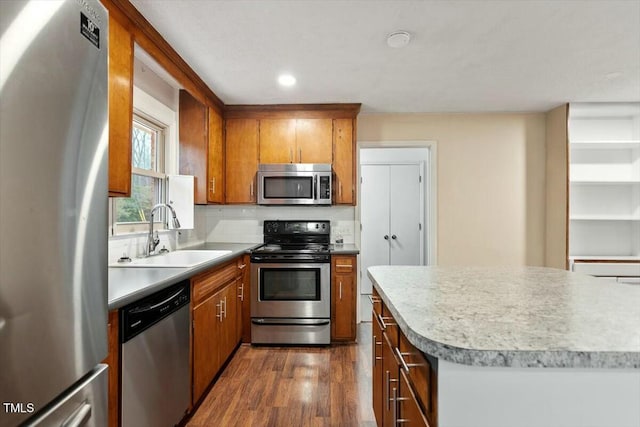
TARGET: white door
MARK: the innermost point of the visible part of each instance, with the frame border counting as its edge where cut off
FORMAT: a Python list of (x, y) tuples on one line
[(374, 219), (391, 218), (405, 223)]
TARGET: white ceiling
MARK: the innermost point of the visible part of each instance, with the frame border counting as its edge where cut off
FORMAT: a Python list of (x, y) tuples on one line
[(465, 56)]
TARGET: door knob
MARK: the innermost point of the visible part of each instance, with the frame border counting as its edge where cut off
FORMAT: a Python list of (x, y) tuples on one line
[(386, 237), (394, 237)]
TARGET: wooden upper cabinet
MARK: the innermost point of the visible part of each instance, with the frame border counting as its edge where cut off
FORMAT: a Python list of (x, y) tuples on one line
[(343, 161), (295, 140), (277, 140), (120, 108), (194, 143), (313, 140), (215, 175), (241, 160)]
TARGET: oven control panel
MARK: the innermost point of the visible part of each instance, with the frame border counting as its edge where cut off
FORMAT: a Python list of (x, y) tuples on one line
[(296, 227)]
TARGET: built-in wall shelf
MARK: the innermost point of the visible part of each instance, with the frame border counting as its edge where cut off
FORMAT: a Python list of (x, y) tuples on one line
[(605, 217), (605, 145), (604, 183)]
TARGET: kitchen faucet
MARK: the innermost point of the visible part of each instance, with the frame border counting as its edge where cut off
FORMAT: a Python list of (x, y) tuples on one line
[(153, 241)]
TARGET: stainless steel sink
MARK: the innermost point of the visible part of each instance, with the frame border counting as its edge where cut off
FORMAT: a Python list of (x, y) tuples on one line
[(177, 259)]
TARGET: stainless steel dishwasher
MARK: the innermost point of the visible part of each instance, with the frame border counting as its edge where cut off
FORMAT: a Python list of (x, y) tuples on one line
[(154, 335)]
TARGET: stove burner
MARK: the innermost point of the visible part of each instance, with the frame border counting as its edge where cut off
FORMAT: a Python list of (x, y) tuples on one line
[(294, 240)]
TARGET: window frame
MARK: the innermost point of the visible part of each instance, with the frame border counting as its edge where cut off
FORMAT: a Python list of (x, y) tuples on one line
[(154, 114)]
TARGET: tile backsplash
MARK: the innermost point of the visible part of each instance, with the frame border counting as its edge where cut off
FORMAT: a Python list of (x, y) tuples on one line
[(243, 224), (235, 224)]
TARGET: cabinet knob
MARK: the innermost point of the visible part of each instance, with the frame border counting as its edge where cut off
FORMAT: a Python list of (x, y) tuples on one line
[(386, 237), (394, 237)]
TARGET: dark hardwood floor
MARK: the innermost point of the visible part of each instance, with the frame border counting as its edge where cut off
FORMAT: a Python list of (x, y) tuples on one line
[(293, 386)]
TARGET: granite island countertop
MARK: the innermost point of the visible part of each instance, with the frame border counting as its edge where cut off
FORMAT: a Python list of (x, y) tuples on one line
[(514, 316), (126, 285)]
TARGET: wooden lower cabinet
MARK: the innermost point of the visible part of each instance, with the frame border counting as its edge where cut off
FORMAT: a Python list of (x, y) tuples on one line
[(390, 379), (215, 314), (245, 299), (376, 362), (206, 336), (404, 379), (343, 298)]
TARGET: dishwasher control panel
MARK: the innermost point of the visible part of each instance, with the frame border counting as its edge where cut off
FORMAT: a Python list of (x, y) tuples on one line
[(146, 312)]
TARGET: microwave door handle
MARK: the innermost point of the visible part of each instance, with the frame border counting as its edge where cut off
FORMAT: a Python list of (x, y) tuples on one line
[(316, 192)]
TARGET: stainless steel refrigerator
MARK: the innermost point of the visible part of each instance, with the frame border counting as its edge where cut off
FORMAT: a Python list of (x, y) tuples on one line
[(53, 212)]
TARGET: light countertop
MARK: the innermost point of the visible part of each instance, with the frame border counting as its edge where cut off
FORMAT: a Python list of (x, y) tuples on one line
[(127, 285), (344, 249), (514, 316)]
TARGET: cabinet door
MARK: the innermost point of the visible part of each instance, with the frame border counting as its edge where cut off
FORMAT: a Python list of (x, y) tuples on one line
[(193, 143), (277, 140), (377, 362), (389, 381), (215, 162), (343, 298), (120, 108), (206, 337), (419, 375), (374, 211), (241, 148), (313, 141), (239, 309), (407, 410), (229, 321), (246, 300), (343, 158), (404, 211)]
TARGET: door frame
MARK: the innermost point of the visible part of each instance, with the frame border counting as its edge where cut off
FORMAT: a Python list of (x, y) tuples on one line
[(429, 186)]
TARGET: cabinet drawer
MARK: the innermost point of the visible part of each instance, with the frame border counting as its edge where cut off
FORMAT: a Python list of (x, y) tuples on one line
[(344, 264), (388, 326), (418, 371), (376, 301), (209, 281)]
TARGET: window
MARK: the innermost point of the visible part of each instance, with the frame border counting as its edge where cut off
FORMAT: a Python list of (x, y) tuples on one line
[(147, 179)]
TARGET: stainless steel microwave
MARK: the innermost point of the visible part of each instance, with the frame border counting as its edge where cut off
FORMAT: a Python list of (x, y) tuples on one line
[(294, 184)]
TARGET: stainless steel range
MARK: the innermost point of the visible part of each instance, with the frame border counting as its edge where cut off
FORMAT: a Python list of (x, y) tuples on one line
[(290, 284)]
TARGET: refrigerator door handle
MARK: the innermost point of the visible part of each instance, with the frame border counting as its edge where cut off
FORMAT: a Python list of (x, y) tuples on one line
[(79, 417)]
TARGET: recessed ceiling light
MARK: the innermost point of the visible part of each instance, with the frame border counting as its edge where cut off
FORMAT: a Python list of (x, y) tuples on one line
[(398, 39), (286, 80)]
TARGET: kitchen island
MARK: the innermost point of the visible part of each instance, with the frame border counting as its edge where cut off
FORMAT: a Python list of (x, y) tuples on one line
[(520, 346)]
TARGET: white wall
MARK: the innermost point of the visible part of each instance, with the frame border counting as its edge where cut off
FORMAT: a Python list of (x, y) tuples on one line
[(490, 182)]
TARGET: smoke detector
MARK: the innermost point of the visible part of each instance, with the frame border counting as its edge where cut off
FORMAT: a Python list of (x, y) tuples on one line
[(398, 39)]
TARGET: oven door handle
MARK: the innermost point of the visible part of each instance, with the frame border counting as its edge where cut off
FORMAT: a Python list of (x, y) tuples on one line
[(291, 322)]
